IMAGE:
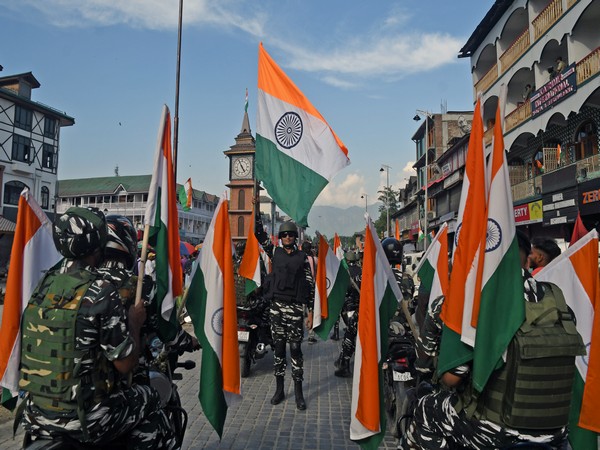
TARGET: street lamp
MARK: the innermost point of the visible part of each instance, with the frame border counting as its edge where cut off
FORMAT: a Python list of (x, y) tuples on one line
[(366, 197), (387, 198), (417, 118)]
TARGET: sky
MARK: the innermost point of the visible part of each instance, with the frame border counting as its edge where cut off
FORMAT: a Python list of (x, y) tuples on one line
[(367, 66)]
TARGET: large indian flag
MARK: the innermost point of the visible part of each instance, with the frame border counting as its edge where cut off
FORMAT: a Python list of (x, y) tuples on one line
[(297, 152), (433, 267), (331, 283), (379, 296), (212, 307), (575, 272), (33, 253), (162, 219)]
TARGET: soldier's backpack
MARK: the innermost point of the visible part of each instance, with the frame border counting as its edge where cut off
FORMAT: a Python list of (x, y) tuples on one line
[(48, 353), (533, 389)]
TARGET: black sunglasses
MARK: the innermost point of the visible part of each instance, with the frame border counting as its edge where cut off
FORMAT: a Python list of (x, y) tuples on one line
[(287, 234)]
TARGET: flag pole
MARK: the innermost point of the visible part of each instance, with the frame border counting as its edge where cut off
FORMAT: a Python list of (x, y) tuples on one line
[(177, 78), (142, 265)]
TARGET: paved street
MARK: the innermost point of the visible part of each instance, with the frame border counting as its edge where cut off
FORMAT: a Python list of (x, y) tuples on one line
[(254, 423)]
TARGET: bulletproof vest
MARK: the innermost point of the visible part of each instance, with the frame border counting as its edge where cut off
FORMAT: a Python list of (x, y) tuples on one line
[(48, 352), (289, 279), (533, 389), (240, 284)]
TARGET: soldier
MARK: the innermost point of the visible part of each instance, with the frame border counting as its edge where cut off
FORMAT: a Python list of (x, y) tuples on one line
[(291, 289), (83, 396), (350, 304)]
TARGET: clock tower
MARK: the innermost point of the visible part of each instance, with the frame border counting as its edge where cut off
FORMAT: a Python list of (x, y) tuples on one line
[(241, 181)]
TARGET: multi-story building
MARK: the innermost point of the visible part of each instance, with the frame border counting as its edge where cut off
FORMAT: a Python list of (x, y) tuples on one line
[(545, 54), (439, 132), (128, 196), (29, 144)]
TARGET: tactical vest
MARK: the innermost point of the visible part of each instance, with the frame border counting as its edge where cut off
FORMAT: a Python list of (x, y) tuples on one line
[(533, 389), (48, 353), (289, 278)]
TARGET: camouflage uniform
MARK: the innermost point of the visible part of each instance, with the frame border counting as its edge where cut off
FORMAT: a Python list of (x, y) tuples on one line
[(351, 304), (439, 420), (110, 410)]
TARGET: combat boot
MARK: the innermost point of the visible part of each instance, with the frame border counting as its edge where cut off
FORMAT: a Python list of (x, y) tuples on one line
[(279, 394), (335, 336), (300, 403), (338, 361), (344, 369)]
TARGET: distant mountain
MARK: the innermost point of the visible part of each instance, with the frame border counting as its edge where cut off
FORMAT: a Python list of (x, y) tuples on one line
[(329, 220)]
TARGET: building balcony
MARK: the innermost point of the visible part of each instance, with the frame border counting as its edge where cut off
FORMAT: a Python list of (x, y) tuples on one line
[(517, 116), (548, 17), (488, 135), (571, 3), (514, 52), (527, 188), (488, 79), (588, 66)]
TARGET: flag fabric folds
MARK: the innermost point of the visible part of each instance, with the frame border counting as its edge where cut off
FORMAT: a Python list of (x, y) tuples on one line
[(575, 272), (379, 297), (297, 152), (33, 252), (212, 307), (337, 247), (186, 194), (579, 230), (161, 216), (433, 267), (465, 279), (331, 285), (397, 230), (250, 265), (501, 308)]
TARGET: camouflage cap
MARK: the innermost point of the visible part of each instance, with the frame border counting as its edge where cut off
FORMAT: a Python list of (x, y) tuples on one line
[(79, 232)]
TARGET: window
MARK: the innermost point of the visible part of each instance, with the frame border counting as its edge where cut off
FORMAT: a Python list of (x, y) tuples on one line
[(21, 149), (48, 156), (12, 191), (23, 117), (45, 197), (240, 231), (50, 127), (241, 199), (586, 141)]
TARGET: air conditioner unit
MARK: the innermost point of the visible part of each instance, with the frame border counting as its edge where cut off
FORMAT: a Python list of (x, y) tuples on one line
[(431, 215)]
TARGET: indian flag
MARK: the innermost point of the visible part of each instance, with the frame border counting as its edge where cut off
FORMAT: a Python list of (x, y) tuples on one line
[(211, 305), (379, 295), (250, 265), (501, 309), (575, 272), (337, 247), (433, 267), (33, 253), (186, 194), (331, 285), (161, 216), (297, 152), (397, 230), (421, 235), (467, 268)]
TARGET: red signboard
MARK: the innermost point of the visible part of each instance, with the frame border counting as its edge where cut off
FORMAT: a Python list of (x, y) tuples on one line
[(521, 213)]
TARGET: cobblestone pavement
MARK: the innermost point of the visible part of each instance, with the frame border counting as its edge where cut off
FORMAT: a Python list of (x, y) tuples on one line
[(254, 423)]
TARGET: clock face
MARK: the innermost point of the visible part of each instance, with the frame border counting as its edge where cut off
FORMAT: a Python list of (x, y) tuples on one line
[(242, 167)]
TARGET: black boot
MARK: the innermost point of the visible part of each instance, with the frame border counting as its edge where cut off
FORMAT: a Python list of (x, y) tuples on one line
[(279, 395), (300, 403), (338, 362), (335, 336), (344, 369)]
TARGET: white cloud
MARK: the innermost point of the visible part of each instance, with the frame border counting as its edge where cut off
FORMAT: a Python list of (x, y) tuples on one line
[(345, 193)]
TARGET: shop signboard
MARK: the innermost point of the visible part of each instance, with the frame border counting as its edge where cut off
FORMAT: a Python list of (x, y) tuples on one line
[(560, 207), (554, 91), (589, 197), (528, 213)]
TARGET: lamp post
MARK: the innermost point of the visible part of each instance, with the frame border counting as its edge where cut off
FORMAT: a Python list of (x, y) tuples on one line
[(417, 117), (387, 196), (366, 197)]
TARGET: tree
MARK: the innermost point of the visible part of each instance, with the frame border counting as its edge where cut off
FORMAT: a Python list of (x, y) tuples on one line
[(385, 195)]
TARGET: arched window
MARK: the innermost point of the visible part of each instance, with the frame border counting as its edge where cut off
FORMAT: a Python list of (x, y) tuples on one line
[(241, 199), (538, 163), (586, 141), (12, 191), (240, 231), (45, 197)]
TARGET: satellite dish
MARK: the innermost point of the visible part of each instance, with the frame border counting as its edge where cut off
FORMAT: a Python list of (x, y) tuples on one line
[(464, 125)]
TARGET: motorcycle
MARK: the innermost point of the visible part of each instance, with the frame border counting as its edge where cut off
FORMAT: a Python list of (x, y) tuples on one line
[(254, 334), (161, 376)]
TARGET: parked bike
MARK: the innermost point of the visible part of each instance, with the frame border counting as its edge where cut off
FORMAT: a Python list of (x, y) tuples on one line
[(254, 334)]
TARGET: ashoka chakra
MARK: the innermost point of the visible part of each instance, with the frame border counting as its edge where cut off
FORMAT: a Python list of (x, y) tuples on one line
[(288, 130)]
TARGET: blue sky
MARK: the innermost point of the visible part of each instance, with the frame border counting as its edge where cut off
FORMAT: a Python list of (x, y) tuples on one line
[(365, 65)]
